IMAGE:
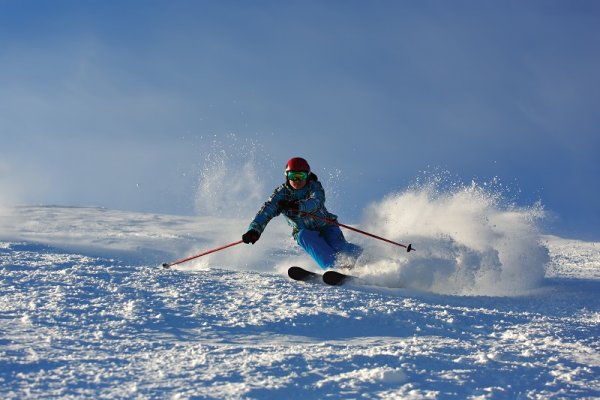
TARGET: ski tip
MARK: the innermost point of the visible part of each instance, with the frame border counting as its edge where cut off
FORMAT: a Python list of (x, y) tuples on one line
[(294, 271)]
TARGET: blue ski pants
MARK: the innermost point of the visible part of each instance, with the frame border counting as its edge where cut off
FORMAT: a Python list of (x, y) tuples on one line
[(325, 245)]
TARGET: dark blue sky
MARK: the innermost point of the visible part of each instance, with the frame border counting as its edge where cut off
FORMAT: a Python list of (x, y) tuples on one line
[(117, 103)]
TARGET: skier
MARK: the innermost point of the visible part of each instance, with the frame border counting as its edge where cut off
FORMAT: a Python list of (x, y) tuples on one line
[(302, 193)]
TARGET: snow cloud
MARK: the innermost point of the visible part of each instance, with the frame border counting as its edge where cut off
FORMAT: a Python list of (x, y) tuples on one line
[(467, 242)]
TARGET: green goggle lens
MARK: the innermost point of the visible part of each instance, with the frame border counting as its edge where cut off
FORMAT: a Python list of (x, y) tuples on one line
[(297, 175)]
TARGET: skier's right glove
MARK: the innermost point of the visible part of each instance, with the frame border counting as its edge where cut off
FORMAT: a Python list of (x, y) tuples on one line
[(251, 236)]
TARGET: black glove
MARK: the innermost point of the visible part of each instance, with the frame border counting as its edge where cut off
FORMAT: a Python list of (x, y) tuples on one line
[(291, 206), (251, 236)]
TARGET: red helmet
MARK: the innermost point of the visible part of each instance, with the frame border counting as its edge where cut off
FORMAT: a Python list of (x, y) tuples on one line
[(297, 164)]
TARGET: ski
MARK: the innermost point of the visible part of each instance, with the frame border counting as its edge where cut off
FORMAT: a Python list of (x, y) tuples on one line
[(301, 274), (336, 278), (333, 278)]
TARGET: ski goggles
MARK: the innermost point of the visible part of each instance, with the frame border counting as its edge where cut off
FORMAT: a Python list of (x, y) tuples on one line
[(297, 175)]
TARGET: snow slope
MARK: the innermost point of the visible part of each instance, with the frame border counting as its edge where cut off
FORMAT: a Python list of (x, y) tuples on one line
[(86, 312)]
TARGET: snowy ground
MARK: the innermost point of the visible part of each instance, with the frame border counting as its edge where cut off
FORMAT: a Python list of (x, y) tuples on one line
[(86, 312)]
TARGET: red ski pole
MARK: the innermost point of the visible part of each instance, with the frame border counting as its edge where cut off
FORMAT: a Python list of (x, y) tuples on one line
[(330, 221), (169, 265)]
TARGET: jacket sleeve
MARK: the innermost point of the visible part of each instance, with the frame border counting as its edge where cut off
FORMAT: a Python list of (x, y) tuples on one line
[(267, 212)]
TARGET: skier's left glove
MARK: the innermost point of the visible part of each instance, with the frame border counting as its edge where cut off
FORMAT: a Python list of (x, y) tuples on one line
[(291, 207)]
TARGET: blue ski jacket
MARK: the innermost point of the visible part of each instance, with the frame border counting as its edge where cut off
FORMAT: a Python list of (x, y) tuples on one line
[(311, 198)]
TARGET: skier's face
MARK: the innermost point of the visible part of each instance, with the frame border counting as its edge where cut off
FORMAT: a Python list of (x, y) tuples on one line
[(298, 184)]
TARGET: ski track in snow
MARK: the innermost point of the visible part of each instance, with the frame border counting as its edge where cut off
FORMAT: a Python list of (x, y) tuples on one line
[(77, 324)]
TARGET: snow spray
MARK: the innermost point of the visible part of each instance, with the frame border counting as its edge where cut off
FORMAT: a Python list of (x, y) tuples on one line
[(235, 178), (468, 242), (230, 182)]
